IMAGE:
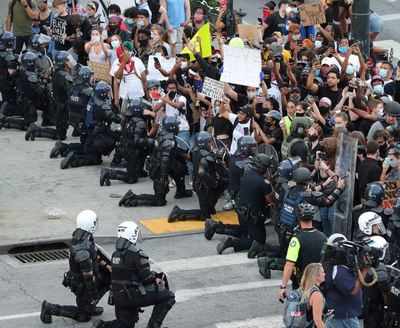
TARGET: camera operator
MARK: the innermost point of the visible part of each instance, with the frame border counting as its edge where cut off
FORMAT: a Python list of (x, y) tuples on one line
[(343, 286)]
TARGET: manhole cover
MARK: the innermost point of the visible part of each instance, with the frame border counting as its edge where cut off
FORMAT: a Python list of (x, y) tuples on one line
[(40, 253)]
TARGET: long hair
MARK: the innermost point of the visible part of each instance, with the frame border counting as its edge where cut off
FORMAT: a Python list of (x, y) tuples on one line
[(309, 278)]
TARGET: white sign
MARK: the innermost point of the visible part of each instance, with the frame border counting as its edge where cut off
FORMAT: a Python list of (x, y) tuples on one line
[(153, 73), (58, 30), (242, 66), (213, 89)]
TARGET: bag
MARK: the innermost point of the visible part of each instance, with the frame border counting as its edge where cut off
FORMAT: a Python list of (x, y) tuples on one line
[(295, 312)]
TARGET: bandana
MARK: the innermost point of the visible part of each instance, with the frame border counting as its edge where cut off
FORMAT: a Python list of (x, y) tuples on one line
[(130, 65)]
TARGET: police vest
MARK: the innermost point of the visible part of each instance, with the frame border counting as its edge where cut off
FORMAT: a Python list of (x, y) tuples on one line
[(292, 199), (77, 103), (311, 243), (83, 249)]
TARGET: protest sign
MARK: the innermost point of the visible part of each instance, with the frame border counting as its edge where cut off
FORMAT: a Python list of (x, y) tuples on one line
[(312, 14), (166, 64), (391, 189), (249, 32), (202, 43), (101, 72), (213, 89), (58, 30), (241, 66), (346, 159)]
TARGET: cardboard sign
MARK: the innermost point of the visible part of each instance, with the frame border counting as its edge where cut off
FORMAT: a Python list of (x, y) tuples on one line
[(242, 66), (58, 30), (213, 89), (391, 188), (101, 72), (153, 73), (249, 32), (312, 14)]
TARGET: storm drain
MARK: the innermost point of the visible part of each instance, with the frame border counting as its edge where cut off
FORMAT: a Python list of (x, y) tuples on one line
[(40, 253)]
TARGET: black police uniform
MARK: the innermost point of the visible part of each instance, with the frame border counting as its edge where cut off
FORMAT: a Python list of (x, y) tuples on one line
[(8, 80), (166, 159), (134, 285), (81, 279), (134, 144)]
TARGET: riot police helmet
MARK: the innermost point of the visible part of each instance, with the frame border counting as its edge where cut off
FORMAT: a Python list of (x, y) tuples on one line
[(305, 211), (153, 84), (374, 194), (8, 40), (129, 230), (371, 223), (203, 140), (61, 58), (261, 162), (87, 221), (170, 123), (302, 175), (28, 61), (285, 170), (332, 252), (102, 90), (85, 75), (392, 108), (134, 108), (379, 243), (247, 146)]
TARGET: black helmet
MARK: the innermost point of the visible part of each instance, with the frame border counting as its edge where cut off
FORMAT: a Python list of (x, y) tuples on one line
[(203, 140), (261, 162), (298, 148), (392, 108), (61, 58), (374, 194), (102, 90), (301, 175), (246, 110), (11, 60), (8, 40), (299, 127), (305, 211), (28, 61), (134, 108), (170, 124), (84, 75), (247, 146), (286, 169)]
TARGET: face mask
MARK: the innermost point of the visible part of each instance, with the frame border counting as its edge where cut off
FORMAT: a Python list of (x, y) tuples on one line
[(383, 73), (184, 65), (143, 42), (129, 21), (378, 89), (115, 44), (324, 110), (251, 94), (339, 126), (140, 23), (312, 137), (380, 112), (343, 50), (349, 70), (382, 149), (318, 44), (96, 38)]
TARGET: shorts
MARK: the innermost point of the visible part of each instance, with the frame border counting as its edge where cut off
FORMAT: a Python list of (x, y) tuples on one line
[(343, 323), (175, 37)]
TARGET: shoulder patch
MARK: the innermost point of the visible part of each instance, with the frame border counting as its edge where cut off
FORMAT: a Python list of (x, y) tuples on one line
[(293, 242)]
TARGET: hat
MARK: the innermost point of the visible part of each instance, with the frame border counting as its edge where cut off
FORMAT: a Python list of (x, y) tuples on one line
[(308, 43), (325, 100), (376, 78), (58, 2), (92, 5), (330, 61)]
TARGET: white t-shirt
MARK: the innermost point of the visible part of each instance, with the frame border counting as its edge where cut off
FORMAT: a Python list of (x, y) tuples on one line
[(172, 111), (131, 86), (238, 132)]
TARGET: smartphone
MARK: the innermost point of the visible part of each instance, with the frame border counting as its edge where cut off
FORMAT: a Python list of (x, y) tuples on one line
[(246, 131), (172, 95), (156, 61)]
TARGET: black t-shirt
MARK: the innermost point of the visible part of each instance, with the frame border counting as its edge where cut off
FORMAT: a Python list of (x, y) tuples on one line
[(275, 24), (334, 96), (369, 171), (222, 126), (253, 190)]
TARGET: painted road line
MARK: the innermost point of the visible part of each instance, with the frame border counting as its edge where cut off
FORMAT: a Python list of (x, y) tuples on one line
[(273, 321), (184, 295), (206, 262)]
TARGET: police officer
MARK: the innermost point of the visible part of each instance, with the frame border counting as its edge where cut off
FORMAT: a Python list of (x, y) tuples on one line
[(304, 247), (81, 277), (209, 181), (166, 159), (133, 143), (134, 284), (99, 138)]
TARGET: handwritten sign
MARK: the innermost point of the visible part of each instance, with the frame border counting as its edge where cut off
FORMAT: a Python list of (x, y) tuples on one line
[(166, 65), (213, 89), (58, 30), (248, 32), (312, 14), (391, 189), (242, 66), (101, 72)]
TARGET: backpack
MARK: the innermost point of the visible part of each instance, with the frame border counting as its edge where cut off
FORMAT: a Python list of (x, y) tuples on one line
[(291, 200), (296, 308)]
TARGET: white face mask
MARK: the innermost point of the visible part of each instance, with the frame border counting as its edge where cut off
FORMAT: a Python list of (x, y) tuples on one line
[(140, 23), (115, 44), (96, 38), (318, 44), (184, 65), (251, 94)]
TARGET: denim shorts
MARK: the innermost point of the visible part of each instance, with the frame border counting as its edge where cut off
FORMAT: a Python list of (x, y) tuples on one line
[(343, 323)]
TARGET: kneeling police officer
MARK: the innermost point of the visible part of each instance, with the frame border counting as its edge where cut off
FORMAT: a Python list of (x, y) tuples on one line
[(133, 283)]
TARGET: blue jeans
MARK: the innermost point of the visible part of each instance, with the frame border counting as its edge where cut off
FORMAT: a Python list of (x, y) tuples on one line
[(327, 215), (343, 323)]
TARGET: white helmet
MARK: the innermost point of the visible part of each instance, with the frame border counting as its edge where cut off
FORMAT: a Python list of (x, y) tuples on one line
[(380, 243), (87, 220), (335, 238), (129, 230), (367, 220)]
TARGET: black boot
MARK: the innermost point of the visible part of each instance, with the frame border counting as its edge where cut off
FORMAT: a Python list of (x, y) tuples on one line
[(105, 177), (129, 195), (66, 162), (181, 191), (264, 267), (46, 133), (227, 243), (159, 313), (255, 250), (30, 133), (174, 215), (46, 312), (96, 311), (210, 228), (58, 149)]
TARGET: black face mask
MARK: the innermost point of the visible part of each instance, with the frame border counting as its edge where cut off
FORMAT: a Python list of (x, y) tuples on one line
[(324, 110), (144, 42), (300, 114), (382, 150), (312, 137)]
